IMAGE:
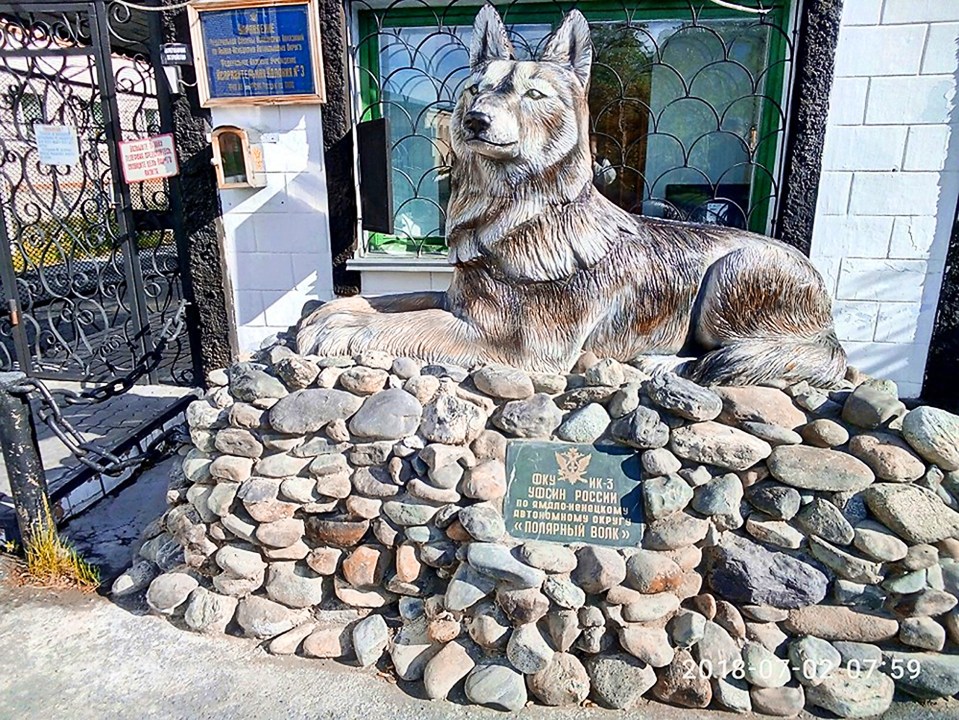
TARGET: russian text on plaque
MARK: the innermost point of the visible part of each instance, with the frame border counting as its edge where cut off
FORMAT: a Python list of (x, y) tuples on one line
[(573, 493)]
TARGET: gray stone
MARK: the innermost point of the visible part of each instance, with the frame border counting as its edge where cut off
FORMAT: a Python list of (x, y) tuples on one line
[(412, 649), (306, 411), (452, 421), (467, 588), (851, 694), (717, 652), (773, 499), (551, 557), (134, 579), (659, 462), (374, 482), (743, 571), (773, 532), (663, 496), (625, 400), (824, 433), (483, 521), (720, 498), (406, 511), (715, 444), (280, 465), (562, 682), (370, 638), (810, 468), (598, 569), (934, 434), (782, 701), (858, 654), (618, 681), (822, 518), (209, 612), (648, 608), (683, 683), (497, 562), (232, 469), (649, 644), (168, 592), (911, 582), (405, 368), (294, 585), (813, 659), (642, 428), (249, 383), (582, 396), (503, 382), (496, 686), (844, 564), (536, 417), (239, 442), (683, 397), (563, 592), (606, 372), (676, 531), (869, 407), (922, 632), (262, 618), (853, 594), (763, 668), (584, 425), (687, 628), (562, 627), (296, 372), (488, 627), (528, 650), (937, 676), (732, 694), (772, 434), (913, 513), (388, 415), (242, 561)]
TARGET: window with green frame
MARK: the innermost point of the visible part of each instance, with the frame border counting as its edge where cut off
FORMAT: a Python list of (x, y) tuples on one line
[(686, 100)]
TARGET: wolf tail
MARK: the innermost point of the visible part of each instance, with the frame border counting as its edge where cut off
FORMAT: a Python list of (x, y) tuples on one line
[(819, 359)]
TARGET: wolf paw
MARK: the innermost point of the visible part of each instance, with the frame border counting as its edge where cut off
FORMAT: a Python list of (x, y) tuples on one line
[(340, 332)]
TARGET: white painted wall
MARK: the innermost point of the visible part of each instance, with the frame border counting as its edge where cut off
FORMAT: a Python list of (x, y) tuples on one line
[(277, 238), (890, 180)]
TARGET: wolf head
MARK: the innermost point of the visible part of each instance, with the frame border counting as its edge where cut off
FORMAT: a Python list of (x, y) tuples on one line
[(526, 116)]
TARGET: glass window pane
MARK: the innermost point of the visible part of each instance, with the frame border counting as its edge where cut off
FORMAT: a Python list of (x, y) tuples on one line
[(678, 111)]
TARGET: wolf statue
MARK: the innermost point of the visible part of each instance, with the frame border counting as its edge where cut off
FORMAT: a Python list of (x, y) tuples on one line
[(546, 268)]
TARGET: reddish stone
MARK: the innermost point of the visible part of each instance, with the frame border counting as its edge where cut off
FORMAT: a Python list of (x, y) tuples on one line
[(339, 532), (366, 566)]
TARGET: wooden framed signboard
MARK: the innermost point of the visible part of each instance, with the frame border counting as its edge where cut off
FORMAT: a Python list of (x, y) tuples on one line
[(256, 52)]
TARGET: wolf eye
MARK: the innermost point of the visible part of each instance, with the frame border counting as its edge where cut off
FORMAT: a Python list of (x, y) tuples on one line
[(471, 90), (535, 94)]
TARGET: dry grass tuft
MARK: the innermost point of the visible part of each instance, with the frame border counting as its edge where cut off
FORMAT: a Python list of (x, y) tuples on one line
[(53, 562)]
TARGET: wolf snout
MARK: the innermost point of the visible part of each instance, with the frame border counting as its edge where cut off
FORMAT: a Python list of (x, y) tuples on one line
[(477, 122)]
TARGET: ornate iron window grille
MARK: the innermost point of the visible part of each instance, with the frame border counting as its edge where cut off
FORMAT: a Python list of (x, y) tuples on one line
[(688, 101)]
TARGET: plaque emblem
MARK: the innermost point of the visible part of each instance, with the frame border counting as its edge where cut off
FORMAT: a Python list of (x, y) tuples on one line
[(572, 465)]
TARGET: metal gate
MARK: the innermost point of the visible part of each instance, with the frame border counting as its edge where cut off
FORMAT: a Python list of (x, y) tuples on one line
[(91, 267)]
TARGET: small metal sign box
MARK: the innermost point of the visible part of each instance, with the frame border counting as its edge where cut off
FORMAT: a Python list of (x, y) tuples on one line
[(152, 158), (175, 54), (573, 493), (250, 52)]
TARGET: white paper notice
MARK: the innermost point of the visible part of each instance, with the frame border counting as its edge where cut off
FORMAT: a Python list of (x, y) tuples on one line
[(152, 158), (57, 144)]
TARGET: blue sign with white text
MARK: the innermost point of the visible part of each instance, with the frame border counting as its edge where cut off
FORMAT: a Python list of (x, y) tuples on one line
[(258, 52)]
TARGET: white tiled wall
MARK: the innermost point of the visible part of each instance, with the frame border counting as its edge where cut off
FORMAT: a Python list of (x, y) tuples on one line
[(890, 180), (277, 238)]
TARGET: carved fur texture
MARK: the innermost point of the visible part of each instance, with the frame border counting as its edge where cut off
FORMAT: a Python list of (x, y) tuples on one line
[(546, 268)]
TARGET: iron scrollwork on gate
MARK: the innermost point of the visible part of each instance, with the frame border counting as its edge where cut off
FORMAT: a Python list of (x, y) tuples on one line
[(88, 263)]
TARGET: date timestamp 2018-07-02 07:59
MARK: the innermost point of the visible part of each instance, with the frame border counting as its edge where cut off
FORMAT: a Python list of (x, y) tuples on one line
[(810, 669)]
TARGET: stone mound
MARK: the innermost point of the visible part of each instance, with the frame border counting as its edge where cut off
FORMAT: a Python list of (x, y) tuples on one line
[(801, 547)]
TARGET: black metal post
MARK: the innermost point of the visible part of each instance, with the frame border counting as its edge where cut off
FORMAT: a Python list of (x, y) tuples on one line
[(18, 437)]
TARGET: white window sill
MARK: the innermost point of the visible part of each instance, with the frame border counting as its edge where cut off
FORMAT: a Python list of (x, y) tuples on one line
[(400, 263)]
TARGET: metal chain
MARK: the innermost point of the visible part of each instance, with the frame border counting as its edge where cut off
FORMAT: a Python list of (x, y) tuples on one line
[(88, 454)]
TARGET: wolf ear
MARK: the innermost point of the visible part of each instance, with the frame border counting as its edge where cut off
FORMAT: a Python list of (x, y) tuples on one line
[(572, 46), (489, 41)]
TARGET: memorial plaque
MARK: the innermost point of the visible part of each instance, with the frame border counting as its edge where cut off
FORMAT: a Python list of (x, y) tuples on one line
[(572, 493), (251, 51)]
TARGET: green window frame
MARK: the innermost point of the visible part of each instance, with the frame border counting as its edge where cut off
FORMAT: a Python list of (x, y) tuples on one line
[(772, 125)]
